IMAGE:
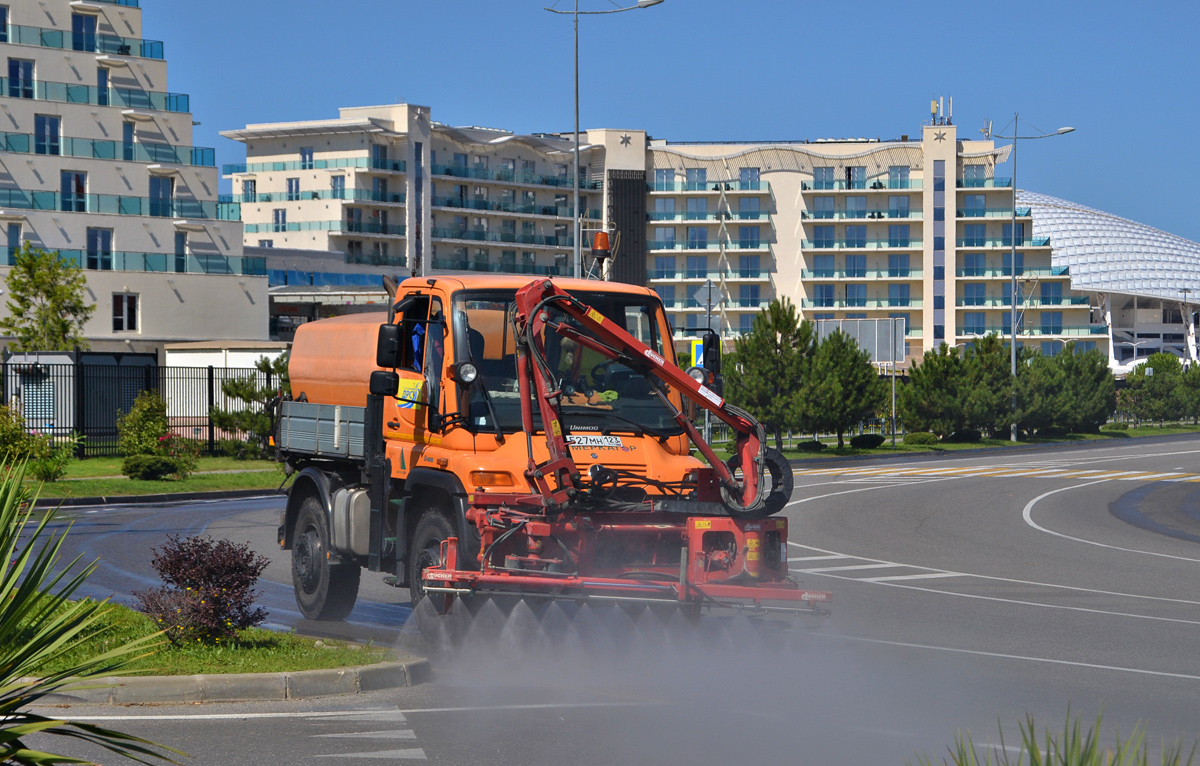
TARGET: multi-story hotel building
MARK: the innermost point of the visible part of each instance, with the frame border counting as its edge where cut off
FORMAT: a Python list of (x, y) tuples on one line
[(919, 228), (99, 165)]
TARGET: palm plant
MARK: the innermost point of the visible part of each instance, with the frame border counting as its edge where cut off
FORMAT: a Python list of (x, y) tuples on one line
[(38, 623)]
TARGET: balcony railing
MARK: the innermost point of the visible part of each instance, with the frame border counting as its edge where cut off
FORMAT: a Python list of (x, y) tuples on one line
[(1042, 330), (984, 183), (168, 263), (814, 274), (993, 212), (349, 195), (478, 235), (907, 214), (111, 204), (1055, 271), (709, 186), (372, 259), (716, 274), (337, 227), (510, 176), (459, 203), (362, 163), (886, 243), (1003, 242), (73, 93), (126, 3), (861, 303), (90, 43), (96, 149), (450, 264), (1035, 301), (873, 185)]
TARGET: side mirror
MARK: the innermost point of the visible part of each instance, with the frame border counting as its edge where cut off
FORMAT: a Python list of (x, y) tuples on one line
[(384, 383), (387, 349), (712, 353)]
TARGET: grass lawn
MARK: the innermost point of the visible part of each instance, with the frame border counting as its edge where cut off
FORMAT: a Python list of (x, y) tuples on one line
[(80, 481), (111, 466), (254, 651)]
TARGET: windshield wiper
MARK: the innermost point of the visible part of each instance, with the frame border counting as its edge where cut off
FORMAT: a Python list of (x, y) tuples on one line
[(635, 427)]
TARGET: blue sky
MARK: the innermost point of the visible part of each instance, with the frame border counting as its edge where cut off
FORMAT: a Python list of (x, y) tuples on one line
[(1124, 75)]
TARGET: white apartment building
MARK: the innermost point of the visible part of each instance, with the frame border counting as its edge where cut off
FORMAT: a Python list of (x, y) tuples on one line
[(919, 228), (97, 163)]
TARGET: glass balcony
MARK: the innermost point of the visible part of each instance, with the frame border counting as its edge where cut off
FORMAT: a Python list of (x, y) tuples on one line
[(683, 245), (349, 195), (862, 244), (710, 186), (881, 184), (1061, 330), (336, 227), (861, 274), (167, 263), (679, 215), (449, 264), (860, 303), (907, 214), (479, 235), (1035, 301), (1003, 242), (459, 203), (1055, 271), (362, 163), (72, 93), (126, 3), (993, 212), (370, 259), (88, 148), (984, 183), (510, 176), (108, 204), (93, 43)]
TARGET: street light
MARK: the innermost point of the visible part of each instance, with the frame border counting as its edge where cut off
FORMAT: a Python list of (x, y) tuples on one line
[(577, 267), (1013, 236)]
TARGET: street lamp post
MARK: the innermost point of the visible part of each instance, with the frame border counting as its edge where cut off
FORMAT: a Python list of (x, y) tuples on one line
[(1013, 264), (577, 266)]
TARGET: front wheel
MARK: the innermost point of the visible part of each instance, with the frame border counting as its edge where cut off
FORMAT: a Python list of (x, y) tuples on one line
[(324, 590), (432, 530)]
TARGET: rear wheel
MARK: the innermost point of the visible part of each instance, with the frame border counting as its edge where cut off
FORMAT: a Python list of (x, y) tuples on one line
[(432, 530), (778, 482), (324, 590)]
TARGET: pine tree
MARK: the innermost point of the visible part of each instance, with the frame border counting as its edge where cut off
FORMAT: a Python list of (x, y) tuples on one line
[(1040, 393), (843, 388), (1187, 393), (1152, 389), (765, 372), (46, 306), (987, 394), (1089, 390), (934, 398), (253, 420)]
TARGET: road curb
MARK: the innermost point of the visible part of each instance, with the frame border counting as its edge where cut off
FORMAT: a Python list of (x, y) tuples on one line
[(833, 462), (247, 687), (159, 499)]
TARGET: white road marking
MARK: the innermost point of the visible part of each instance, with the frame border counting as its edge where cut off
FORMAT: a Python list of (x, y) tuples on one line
[(846, 492), (397, 734), (398, 715), (927, 576), (818, 558), (410, 754), (1027, 514), (822, 570), (1022, 657)]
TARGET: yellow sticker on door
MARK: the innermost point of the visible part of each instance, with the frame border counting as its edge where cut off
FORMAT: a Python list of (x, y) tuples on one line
[(410, 393)]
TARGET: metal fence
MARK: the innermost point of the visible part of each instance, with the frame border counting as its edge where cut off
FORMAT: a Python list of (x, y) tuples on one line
[(85, 399)]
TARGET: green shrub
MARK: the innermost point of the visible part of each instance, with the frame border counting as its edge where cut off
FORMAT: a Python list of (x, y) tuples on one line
[(965, 436), (240, 450), (867, 441), (141, 430), (15, 442), (185, 453), (48, 460), (1115, 427), (1053, 432), (149, 467), (810, 446), (920, 439)]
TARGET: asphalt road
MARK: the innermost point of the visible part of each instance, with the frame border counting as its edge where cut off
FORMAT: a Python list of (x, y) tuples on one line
[(968, 589)]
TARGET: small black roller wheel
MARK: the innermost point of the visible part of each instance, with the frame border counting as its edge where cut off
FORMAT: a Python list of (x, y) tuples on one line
[(324, 590), (778, 478), (432, 530)]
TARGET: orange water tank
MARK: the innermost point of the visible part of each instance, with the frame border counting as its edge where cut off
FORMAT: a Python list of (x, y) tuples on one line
[(332, 360)]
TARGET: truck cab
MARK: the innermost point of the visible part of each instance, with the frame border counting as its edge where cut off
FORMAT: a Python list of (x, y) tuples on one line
[(391, 433)]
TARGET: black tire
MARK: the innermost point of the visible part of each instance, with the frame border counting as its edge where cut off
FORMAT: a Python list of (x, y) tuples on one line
[(779, 471), (324, 590), (432, 530)]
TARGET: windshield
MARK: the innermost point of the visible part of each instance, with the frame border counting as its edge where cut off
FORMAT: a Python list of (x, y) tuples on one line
[(600, 395)]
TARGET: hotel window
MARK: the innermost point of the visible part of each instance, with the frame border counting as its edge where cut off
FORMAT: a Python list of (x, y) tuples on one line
[(528, 170), (974, 265), (293, 189), (379, 189), (380, 250), (279, 220), (856, 236), (749, 237), (664, 208), (974, 294), (823, 236), (749, 267), (749, 178), (898, 177), (666, 293), (697, 179), (1008, 230), (102, 87), (974, 176), (3, 24), (306, 158), (181, 252), (528, 262), (697, 266), (508, 171), (823, 207), (74, 191), (856, 296), (354, 248), (697, 208), (749, 208), (337, 187), (20, 78), (823, 266), (664, 238), (1008, 264), (898, 235), (856, 177), (856, 207), (13, 241), (99, 249), (974, 323), (249, 191), (83, 32), (664, 179), (823, 296), (479, 260), (746, 323), (664, 267), (162, 196), (1052, 294), (975, 235), (906, 317), (939, 302), (1052, 323), (898, 207), (266, 243), (47, 129), (128, 132), (125, 312), (697, 238), (459, 160), (898, 265), (748, 296), (823, 178), (856, 266), (974, 206)]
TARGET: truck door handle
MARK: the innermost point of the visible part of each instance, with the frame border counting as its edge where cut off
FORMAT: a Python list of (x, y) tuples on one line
[(394, 425)]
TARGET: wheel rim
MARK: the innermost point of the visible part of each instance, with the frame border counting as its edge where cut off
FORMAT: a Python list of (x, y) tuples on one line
[(430, 556), (308, 560)]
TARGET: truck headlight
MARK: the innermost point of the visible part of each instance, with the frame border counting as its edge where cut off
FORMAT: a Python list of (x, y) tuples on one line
[(466, 373)]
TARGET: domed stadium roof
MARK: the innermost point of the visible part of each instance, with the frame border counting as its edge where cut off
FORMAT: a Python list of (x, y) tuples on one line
[(1107, 253)]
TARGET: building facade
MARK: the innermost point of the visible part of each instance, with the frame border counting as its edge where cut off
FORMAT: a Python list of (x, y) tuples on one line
[(919, 228), (98, 164)]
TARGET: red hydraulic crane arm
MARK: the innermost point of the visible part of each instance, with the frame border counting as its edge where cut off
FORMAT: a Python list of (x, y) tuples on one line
[(610, 339)]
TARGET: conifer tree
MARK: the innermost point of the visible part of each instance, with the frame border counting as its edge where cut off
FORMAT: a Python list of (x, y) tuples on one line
[(934, 398), (843, 388), (1089, 390)]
